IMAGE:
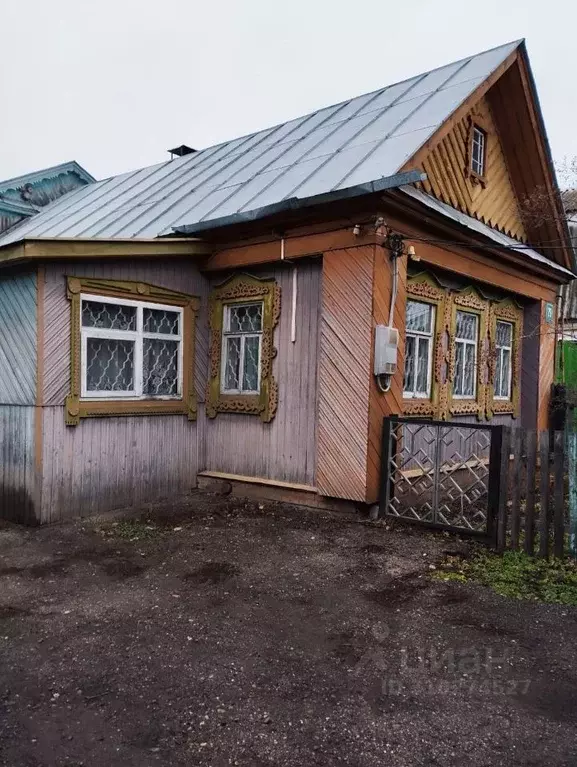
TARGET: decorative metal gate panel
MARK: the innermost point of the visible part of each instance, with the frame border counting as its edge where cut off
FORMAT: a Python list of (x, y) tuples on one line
[(442, 474)]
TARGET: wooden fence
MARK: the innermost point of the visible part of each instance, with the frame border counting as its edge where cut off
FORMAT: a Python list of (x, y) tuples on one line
[(538, 498)]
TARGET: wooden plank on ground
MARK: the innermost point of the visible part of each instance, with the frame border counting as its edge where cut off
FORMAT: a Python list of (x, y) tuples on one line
[(544, 494), (558, 494), (531, 445), (516, 471)]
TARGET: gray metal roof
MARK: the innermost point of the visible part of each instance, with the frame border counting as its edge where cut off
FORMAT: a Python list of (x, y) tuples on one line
[(353, 144), (493, 234)]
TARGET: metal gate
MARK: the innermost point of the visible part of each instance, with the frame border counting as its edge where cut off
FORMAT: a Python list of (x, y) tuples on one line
[(442, 474)]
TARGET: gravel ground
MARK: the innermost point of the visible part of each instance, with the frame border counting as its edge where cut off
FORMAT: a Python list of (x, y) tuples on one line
[(225, 633)]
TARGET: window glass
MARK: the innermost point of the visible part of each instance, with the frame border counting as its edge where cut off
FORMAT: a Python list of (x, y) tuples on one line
[(466, 331), (160, 321), (241, 350), (478, 151), (109, 365), (111, 316), (159, 367), (418, 349), (130, 350), (503, 352)]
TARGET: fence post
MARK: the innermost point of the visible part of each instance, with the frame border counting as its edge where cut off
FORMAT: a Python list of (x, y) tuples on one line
[(517, 449), (544, 495), (497, 490), (384, 495), (530, 498), (558, 495), (572, 469)]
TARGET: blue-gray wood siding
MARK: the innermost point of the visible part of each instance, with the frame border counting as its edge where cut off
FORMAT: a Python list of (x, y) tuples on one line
[(283, 449), (18, 339), (17, 396)]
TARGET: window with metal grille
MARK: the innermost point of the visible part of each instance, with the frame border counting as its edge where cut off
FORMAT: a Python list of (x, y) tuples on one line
[(503, 350), (130, 349), (466, 342), (478, 149), (241, 348), (420, 318)]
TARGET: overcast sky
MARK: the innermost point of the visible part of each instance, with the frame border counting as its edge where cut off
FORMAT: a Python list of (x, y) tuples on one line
[(114, 83)]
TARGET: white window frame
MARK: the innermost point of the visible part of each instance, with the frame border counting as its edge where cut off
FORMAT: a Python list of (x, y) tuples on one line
[(479, 138), (137, 336), (242, 335), (499, 348), (467, 342), (418, 335)]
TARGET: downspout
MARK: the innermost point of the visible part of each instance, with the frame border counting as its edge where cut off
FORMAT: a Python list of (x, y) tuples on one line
[(294, 293)]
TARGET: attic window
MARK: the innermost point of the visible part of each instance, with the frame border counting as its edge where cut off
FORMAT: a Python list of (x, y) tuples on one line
[(478, 151)]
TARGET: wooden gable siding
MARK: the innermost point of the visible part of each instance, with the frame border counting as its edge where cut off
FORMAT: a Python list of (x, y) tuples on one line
[(284, 449), (495, 205), (345, 372)]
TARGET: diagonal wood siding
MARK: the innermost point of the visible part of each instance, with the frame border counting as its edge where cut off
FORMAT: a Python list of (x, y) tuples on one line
[(497, 204), (18, 340), (344, 372)]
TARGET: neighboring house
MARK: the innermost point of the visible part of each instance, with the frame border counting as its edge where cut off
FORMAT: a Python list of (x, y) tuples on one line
[(567, 358), (215, 315), (24, 196)]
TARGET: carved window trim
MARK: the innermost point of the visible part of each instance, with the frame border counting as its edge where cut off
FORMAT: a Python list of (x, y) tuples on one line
[(506, 311), (424, 288), (469, 300), (241, 289), (476, 121), (77, 408)]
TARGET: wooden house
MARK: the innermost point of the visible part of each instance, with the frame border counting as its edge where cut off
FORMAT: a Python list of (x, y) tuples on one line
[(24, 196), (215, 315)]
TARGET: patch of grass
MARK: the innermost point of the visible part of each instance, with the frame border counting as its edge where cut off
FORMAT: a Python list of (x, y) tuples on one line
[(515, 574), (132, 530)]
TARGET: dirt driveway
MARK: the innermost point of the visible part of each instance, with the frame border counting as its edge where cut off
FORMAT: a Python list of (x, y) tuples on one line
[(223, 633)]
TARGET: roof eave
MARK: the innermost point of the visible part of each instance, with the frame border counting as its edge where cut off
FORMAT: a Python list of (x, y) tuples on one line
[(296, 203), (27, 250)]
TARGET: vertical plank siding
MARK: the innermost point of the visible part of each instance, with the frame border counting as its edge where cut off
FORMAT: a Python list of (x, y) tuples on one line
[(17, 471), (283, 449), (17, 396), (109, 463), (345, 372)]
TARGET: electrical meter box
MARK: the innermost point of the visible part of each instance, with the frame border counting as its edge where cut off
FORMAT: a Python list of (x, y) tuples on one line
[(386, 347)]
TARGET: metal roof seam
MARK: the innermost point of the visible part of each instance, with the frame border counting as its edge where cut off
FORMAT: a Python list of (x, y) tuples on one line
[(338, 125), (331, 155), (404, 120)]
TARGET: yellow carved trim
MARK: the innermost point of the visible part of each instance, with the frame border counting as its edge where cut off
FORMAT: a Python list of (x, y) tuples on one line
[(240, 289), (507, 311), (77, 408)]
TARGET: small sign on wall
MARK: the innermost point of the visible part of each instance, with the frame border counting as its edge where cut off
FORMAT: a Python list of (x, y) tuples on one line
[(549, 314)]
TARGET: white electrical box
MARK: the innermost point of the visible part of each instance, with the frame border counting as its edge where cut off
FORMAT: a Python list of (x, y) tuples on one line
[(386, 346)]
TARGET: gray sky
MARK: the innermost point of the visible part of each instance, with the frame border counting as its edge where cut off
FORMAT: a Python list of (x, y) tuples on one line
[(114, 83)]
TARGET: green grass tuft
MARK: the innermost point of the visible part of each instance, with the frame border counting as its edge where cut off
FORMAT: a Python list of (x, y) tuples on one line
[(516, 575)]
